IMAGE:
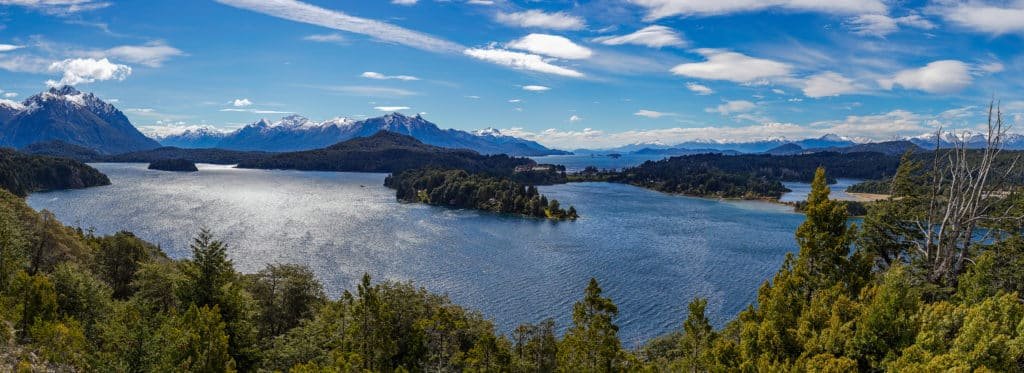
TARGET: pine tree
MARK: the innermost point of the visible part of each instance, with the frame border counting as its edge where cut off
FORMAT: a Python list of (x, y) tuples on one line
[(592, 344)]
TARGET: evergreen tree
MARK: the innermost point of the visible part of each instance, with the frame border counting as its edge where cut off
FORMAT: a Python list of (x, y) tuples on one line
[(592, 344)]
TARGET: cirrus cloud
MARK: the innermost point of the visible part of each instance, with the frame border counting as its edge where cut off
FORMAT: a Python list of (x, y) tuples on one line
[(539, 19), (521, 61), (665, 8), (654, 36), (552, 46)]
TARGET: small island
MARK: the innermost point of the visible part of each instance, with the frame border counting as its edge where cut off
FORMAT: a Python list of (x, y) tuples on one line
[(461, 189), (177, 165)]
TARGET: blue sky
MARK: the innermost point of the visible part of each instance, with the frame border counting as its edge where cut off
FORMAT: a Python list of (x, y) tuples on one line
[(566, 73)]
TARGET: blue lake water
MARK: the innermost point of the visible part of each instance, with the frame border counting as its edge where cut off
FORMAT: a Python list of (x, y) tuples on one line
[(651, 252)]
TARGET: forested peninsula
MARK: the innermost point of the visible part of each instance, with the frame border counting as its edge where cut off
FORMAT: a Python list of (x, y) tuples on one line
[(22, 174)]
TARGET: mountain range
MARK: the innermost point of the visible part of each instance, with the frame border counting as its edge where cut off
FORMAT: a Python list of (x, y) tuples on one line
[(70, 116), (829, 142), (295, 133)]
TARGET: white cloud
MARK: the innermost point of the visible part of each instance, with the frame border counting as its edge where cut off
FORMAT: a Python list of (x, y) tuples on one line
[(379, 76), (241, 102), (575, 118), (59, 7), (733, 107), (778, 91), (937, 77), (979, 16), (881, 25), (87, 70), (540, 19), (391, 108), (699, 89), (327, 38), (521, 61), (256, 111), (652, 114), (515, 101), (404, 2), (306, 13), (829, 84), (885, 126), (536, 88), (10, 47), (551, 45), (368, 91), (654, 36), (10, 94), (480, 2), (992, 67), (151, 54), (732, 66), (665, 8)]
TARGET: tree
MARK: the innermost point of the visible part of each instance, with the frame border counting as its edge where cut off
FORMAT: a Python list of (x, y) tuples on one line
[(536, 347), (824, 237), (196, 342), (39, 301), (697, 339), (118, 258), (210, 268), (12, 245), (287, 294), (592, 344)]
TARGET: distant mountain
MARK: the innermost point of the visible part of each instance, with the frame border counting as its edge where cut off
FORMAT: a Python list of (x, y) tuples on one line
[(785, 149), (897, 147), (294, 133), (682, 151), (386, 151), (947, 139), (67, 115)]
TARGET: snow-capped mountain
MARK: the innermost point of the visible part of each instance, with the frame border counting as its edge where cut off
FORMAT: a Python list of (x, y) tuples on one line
[(946, 139), (295, 132), (67, 115)]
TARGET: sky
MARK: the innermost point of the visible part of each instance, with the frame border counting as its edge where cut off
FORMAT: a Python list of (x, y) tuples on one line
[(568, 74)]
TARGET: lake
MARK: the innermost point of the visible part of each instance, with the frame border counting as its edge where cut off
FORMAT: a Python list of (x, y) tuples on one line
[(651, 252)]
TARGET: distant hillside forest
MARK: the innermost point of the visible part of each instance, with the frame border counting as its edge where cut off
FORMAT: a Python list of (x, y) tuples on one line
[(387, 152), (22, 174), (460, 189), (742, 176)]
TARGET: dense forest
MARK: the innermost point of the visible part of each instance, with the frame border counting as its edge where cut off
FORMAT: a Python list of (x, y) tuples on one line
[(179, 165), (22, 174), (387, 152), (461, 189)]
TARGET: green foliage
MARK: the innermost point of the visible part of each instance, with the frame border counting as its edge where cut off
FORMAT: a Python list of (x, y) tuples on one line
[(196, 342), (118, 259), (592, 344), (80, 295), (461, 189), (535, 348), (287, 294)]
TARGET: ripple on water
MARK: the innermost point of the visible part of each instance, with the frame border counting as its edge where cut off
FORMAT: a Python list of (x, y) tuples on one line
[(651, 252)]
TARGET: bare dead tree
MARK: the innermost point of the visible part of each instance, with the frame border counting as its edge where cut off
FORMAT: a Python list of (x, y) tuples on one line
[(964, 192)]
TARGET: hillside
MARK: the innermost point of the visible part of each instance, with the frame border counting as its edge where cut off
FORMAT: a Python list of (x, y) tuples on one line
[(386, 152), (214, 156), (67, 115), (22, 174)]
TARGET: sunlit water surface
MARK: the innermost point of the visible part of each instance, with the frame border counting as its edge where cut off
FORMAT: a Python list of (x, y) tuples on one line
[(652, 252)]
